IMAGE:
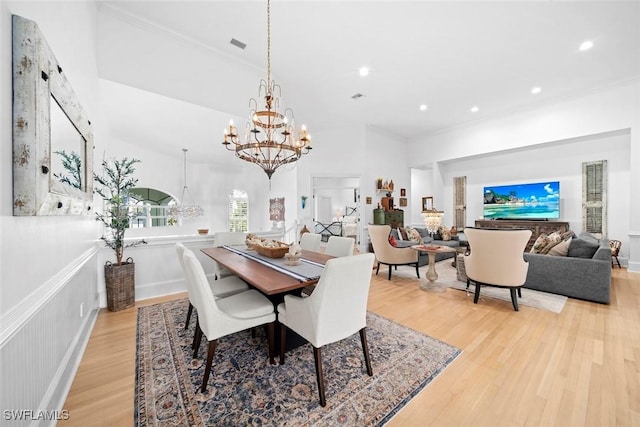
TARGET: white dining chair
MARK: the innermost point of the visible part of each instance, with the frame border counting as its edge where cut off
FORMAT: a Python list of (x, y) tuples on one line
[(310, 242), (222, 238), (224, 316), (335, 310), (220, 288), (339, 246)]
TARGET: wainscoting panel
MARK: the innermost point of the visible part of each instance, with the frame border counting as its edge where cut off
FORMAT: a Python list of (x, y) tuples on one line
[(42, 350)]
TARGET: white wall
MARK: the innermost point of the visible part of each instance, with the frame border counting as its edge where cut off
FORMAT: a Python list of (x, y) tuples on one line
[(47, 264), (608, 110)]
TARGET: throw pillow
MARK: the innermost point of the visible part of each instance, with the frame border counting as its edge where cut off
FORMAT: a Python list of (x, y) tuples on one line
[(446, 234), (561, 249), (394, 233), (580, 248), (539, 244), (392, 241), (403, 232), (414, 235), (552, 240)]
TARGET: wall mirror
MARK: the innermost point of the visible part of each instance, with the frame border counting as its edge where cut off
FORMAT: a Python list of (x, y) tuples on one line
[(52, 136)]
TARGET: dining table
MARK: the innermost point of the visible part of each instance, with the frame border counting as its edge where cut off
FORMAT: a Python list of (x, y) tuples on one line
[(264, 274)]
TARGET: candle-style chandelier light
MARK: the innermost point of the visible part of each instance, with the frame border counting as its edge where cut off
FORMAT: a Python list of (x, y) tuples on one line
[(270, 138)]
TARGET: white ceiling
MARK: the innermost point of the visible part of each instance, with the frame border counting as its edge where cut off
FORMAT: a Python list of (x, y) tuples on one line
[(449, 55)]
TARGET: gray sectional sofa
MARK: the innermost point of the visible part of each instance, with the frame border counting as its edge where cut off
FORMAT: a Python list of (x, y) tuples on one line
[(573, 276), (427, 239)]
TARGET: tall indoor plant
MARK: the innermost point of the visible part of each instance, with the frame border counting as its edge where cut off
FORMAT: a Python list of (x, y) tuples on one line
[(115, 184)]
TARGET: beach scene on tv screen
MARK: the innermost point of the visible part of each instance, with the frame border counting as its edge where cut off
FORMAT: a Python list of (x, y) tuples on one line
[(540, 200)]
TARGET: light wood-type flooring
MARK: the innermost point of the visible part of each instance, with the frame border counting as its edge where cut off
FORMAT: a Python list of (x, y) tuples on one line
[(527, 368)]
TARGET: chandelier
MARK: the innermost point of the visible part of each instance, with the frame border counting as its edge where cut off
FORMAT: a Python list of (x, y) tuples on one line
[(270, 139), (186, 208), (431, 216)]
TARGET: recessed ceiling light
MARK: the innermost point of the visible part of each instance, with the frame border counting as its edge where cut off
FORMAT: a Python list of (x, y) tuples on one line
[(536, 90), (475, 109), (586, 45), (423, 107), (364, 71), (357, 96)]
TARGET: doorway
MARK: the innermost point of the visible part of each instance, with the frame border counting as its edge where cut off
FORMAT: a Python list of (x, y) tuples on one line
[(336, 207)]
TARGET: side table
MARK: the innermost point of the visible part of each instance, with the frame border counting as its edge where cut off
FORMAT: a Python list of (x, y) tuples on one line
[(432, 275)]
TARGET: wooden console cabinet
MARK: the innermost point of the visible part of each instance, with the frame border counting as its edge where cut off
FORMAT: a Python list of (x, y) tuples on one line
[(536, 227)]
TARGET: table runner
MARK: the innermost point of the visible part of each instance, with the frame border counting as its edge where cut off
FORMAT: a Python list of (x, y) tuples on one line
[(307, 270)]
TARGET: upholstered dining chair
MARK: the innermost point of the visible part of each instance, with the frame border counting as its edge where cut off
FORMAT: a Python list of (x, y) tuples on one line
[(310, 242), (222, 238), (336, 310), (224, 316), (388, 254), (496, 259), (615, 251), (338, 246), (220, 288)]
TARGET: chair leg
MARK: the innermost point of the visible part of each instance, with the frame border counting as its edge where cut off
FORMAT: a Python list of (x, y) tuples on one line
[(207, 369), (365, 349), (476, 297), (514, 299), (378, 269), (198, 339), (186, 323), (519, 292), (317, 355), (283, 341), (618, 261), (270, 341), (417, 270), (390, 268)]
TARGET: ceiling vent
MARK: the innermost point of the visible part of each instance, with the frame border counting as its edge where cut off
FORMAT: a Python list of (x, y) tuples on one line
[(238, 43), (357, 96)]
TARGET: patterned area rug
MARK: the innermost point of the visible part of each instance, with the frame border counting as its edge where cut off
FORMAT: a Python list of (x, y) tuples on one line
[(244, 389)]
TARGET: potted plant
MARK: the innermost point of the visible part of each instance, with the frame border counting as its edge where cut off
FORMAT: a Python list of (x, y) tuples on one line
[(115, 185)]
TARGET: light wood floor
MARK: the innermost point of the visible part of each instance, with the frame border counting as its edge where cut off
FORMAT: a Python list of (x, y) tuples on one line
[(527, 368)]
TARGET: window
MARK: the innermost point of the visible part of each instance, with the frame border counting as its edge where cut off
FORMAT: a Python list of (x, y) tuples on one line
[(594, 197), (238, 211)]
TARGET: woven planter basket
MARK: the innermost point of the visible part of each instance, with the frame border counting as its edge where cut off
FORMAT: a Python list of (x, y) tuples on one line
[(120, 281)]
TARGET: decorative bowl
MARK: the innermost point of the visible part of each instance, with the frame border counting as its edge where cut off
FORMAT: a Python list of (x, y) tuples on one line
[(203, 231), (278, 252)]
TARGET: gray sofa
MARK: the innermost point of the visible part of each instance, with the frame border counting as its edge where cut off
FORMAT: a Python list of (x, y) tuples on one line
[(573, 276), (427, 239)]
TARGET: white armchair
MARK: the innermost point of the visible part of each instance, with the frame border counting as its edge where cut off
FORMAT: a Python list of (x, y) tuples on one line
[(224, 316), (496, 259), (336, 310), (388, 254)]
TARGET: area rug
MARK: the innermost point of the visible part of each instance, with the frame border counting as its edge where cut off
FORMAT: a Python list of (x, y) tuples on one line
[(245, 390), (447, 276)]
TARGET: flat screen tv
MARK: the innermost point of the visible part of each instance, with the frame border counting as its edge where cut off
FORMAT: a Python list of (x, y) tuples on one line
[(539, 200)]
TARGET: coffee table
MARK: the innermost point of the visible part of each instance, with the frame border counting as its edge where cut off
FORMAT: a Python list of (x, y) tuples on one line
[(431, 285)]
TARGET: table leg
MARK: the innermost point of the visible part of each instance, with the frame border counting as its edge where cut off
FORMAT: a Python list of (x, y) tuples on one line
[(432, 276)]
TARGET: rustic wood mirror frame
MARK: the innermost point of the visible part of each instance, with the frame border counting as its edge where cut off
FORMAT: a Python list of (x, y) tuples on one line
[(37, 77)]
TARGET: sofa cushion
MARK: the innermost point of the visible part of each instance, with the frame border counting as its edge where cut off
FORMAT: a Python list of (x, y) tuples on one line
[(581, 248), (394, 233), (561, 249)]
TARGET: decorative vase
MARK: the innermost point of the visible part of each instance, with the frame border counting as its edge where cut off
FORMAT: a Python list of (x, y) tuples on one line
[(120, 284), (304, 203)]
